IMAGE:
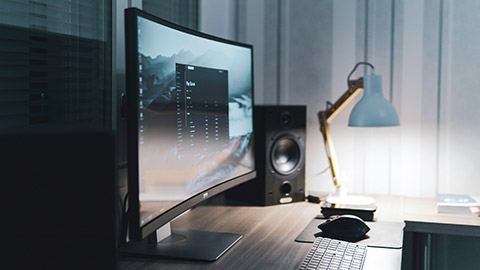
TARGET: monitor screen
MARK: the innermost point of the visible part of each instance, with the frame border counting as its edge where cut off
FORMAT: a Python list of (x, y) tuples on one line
[(190, 118)]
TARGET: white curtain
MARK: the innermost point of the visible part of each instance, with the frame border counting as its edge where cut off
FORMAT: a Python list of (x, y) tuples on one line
[(427, 53)]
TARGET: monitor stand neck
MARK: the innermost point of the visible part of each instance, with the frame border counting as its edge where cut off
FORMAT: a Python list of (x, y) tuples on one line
[(182, 244), (160, 234)]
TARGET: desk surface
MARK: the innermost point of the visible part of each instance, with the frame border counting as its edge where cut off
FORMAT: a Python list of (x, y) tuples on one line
[(399, 208), (269, 232), (268, 237), (420, 215)]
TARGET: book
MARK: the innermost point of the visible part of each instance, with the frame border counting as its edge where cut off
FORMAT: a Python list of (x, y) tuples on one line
[(458, 204)]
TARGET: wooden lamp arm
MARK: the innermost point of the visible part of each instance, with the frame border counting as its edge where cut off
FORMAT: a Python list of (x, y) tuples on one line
[(324, 116)]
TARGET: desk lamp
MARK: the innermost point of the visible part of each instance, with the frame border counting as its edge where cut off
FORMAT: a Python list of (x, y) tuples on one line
[(373, 110)]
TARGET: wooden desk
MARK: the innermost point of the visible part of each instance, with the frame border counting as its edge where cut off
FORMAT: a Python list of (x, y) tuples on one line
[(400, 208), (432, 240), (436, 240), (269, 234), (267, 243)]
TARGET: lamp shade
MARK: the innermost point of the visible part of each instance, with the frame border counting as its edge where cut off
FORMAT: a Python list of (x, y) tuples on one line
[(373, 110)]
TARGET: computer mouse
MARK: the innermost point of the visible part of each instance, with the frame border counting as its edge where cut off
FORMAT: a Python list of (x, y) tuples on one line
[(345, 227)]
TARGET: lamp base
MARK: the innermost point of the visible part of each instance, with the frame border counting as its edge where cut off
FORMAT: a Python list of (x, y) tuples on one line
[(351, 200), (363, 207)]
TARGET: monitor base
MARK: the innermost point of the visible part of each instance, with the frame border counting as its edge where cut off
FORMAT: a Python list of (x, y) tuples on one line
[(184, 244)]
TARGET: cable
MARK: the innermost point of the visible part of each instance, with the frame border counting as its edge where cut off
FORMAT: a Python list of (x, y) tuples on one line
[(313, 198), (317, 174), (355, 68), (124, 221), (323, 171)]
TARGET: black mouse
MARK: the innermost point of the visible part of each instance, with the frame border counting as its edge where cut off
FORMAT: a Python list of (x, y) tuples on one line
[(346, 227)]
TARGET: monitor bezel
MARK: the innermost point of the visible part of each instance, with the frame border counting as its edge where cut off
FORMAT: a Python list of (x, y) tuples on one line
[(136, 230)]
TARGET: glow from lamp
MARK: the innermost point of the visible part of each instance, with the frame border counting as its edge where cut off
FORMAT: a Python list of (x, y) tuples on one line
[(373, 110)]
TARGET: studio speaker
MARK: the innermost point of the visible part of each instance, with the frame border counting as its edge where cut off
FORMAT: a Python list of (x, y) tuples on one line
[(279, 157)]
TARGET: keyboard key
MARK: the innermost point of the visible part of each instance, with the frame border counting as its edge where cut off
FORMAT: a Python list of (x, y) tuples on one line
[(327, 253)]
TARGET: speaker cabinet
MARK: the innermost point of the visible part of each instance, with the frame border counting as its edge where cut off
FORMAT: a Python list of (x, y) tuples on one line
[(279, 157)]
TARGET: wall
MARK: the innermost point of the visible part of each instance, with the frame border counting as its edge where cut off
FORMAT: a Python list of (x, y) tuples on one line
[(424, 50)]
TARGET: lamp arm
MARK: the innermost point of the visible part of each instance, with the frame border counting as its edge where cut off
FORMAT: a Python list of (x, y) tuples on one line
[(352, 91), (324, 116), (329, 148)]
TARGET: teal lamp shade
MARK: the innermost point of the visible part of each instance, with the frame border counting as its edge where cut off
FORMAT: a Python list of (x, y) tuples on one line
[(373, 110)]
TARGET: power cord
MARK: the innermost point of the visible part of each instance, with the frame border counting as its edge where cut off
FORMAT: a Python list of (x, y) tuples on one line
[(312, 198), (124, 222)]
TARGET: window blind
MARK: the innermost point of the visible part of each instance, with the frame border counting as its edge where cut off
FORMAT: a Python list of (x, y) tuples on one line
[(55, 65), (182, 12)]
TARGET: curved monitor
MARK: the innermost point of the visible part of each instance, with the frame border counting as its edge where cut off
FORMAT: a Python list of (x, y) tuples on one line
[(190, 118)]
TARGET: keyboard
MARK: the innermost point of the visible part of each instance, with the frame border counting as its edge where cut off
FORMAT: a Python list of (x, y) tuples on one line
[(328, 253)]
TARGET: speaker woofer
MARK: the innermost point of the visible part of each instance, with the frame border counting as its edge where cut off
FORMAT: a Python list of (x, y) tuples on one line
[(286, 155)]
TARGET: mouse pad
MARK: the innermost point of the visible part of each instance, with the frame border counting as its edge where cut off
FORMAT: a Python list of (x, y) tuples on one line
[(382, 233)]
